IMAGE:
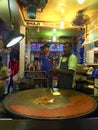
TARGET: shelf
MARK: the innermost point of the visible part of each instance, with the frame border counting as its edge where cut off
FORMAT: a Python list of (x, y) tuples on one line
[(93, 30), (92, 64), (92, 41)]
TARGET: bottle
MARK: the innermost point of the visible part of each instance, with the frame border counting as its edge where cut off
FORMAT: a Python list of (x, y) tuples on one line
[(96, 87)]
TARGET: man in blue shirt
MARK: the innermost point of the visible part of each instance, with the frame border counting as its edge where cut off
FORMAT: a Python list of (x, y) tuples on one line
[(47, 63)]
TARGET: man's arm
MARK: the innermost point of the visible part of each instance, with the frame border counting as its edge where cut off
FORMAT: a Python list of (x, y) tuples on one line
[(61, 71), (71, 67)]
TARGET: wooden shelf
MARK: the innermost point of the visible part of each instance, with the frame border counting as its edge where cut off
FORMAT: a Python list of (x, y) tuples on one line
[(95, 64)]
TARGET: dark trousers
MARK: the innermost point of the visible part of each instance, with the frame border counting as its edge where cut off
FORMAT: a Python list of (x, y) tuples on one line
[(10, 84), (49, 81)]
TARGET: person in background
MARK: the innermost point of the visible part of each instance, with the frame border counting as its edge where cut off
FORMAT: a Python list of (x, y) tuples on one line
[(11, 68), (3, 70), (66, 67), (14, 69), (37, 64), (42, 50), (32, 66), (16, 66), (46, 61), (53, 63)]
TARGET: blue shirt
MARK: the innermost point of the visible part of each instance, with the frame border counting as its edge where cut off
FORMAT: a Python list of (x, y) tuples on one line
[(46, 64)]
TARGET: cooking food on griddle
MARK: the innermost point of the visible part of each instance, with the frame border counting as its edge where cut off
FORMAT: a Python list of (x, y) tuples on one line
[(56, 93), (45, 100)]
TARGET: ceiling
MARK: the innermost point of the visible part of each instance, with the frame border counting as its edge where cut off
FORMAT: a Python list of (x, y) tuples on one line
[(52, 10), (47, 18)]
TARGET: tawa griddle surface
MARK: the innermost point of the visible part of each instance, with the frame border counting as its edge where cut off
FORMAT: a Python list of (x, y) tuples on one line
[(69, 104)]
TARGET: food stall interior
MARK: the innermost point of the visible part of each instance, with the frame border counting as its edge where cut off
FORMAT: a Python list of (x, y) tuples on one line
[(31, 104)]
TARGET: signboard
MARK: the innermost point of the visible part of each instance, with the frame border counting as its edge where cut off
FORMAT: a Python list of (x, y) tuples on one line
[(47, 24), (53, 47)]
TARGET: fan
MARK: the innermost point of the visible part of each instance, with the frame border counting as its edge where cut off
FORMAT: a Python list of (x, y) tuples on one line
[(33, 6), (38, 3), (81, 18)]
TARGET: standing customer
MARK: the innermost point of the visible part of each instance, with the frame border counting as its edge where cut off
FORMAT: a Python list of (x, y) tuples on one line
[(66, 68), (14, 69), (11, 68), (46, 60)]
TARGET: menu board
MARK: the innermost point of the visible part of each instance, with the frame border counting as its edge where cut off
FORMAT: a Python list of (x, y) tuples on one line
[(53, 47)]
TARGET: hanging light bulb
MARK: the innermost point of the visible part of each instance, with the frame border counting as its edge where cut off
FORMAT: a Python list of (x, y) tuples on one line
[(62, 24), (54, 38), (54, 30), (62, 13), (38, 29), (80, 1), (62, 9)]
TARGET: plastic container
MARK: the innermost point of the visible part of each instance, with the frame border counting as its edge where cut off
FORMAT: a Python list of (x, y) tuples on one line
[(96, 87)]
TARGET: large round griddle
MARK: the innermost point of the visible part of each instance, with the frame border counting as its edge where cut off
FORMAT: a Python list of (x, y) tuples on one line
[(74, 103)]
